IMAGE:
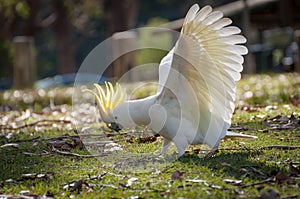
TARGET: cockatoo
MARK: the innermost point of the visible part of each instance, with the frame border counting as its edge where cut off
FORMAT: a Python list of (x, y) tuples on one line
[(194, 102)]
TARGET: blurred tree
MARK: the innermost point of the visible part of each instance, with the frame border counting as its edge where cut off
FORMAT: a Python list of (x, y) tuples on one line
[(65, 44), (119, 15), (28, 17)]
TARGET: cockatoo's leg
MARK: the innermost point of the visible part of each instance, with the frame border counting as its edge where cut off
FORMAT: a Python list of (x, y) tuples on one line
[(181, 144), (165, 146)]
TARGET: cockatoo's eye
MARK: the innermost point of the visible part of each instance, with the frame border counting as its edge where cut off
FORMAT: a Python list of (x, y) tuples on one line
[(114, 126)]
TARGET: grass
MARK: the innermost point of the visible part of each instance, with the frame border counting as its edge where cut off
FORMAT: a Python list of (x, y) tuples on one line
[(189, 177)]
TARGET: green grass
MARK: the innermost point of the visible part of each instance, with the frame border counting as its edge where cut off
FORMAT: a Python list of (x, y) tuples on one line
[(235, 160)]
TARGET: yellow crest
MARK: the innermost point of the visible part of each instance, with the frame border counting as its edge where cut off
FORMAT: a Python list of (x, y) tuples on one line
[(109, 100)]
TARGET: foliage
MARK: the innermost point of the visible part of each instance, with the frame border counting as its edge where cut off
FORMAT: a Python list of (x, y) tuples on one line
[(43, 20), (151, 38), (20, 7)]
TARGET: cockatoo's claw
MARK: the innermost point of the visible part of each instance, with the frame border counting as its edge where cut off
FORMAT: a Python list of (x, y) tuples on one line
[(211, 153)]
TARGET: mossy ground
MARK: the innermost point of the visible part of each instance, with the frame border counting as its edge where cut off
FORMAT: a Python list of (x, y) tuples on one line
[(266, 113)]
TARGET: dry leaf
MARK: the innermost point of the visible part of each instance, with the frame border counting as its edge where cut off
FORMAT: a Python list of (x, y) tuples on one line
[(130, 181), (177, 175), (236, 182), (14, 145), (225, 164), (281, 177)]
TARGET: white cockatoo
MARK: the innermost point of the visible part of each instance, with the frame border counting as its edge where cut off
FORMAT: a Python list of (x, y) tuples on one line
[(194, 102)]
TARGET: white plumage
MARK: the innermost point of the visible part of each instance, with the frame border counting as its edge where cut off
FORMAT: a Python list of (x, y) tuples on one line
[(194, 101)]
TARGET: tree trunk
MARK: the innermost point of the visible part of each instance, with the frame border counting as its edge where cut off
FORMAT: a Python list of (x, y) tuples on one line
[(120, 16), (65, 44)]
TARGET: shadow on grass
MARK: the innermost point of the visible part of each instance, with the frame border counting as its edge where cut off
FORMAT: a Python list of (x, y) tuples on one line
[(13, 163), (236, 164)]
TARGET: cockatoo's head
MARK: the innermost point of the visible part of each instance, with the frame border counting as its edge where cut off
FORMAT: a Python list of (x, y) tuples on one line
[(110, 102)]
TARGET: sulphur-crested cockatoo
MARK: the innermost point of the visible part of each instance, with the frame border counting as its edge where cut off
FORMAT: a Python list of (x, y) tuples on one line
[(194, 101)]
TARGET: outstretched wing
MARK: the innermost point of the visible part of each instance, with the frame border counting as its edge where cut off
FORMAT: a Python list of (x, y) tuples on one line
[(205, 65)]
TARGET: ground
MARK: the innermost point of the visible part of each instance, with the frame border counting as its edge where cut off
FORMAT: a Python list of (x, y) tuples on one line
[(41, 154)]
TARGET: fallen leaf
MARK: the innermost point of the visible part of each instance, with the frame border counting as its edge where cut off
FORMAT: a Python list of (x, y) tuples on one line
[(76, 186), (260, 116), (147, 139), (294, 170), (110, 147), (281, 177), (295, 101), (225, 164), (196, 180), (130, 181), (24, 192), (14, 145), (177, 175), (267, 108), (236, 182)]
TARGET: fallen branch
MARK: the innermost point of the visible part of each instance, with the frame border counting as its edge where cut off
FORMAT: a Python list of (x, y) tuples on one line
[(282, 147)]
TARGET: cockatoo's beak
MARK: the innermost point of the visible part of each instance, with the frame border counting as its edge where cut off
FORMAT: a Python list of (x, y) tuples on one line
[(114, 126)]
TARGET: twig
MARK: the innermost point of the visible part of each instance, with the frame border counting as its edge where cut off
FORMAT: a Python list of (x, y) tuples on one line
[(36, 154), (282, 147), (75, 136), (14, 196), (76, 154), (235, 149), (35, 123), (258, 183), (85, 135), (29, 140), (291, 196), (238, 129)]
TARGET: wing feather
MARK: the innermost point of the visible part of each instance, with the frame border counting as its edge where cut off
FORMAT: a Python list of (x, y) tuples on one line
[(205, 64)]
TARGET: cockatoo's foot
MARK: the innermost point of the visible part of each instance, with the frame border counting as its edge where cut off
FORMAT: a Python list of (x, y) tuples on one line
[(211, 153), (165, 146)]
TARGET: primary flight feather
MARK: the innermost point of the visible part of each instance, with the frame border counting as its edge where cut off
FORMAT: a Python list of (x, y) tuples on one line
[(194, 101)]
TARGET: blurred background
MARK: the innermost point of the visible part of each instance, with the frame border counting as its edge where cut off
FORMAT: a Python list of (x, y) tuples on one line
[(43, 42)]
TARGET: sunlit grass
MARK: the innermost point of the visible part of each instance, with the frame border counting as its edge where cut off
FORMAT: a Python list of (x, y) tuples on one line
[(243, 160)]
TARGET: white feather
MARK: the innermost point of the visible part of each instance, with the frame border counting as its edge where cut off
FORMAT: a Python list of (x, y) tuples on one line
[(196, 84)]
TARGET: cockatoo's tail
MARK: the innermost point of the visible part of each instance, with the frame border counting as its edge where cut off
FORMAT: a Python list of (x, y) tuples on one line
[(110, 99)]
